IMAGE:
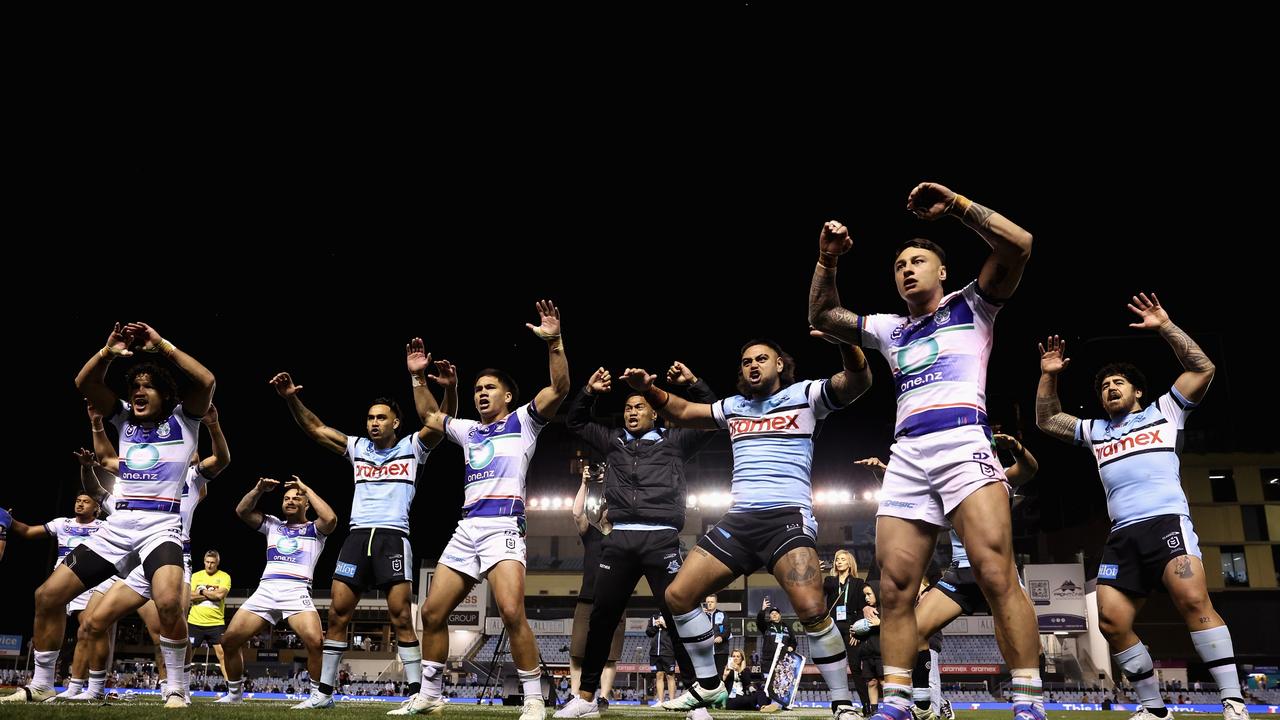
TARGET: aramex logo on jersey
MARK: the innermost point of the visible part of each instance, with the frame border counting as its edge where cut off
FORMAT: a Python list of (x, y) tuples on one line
[(1124, 444), (768, 424), (376, 472)]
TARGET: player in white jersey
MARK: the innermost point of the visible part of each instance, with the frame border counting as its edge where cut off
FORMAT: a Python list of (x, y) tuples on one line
[(376, 553), (489, 540), (941, 471), (157, 434), (770, 523), (956, 592), (1152, 542), (69, 533), (293, 547), (134, 592)]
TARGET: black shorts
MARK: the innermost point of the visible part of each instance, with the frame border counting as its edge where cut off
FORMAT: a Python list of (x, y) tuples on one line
[(200, 634), (662, 664), (958, 584), (747, 541), (374, 557), (1136, 555), (872, 667)]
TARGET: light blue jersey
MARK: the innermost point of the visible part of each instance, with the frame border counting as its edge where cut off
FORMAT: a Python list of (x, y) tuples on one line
[(1138, 459), (386, 481), (773, 446), (497, 457)]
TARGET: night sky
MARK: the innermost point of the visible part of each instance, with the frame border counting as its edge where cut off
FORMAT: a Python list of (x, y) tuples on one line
[(674, 244)]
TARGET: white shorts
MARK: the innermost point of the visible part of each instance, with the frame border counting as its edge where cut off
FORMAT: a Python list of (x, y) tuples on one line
[(277, 600), (81, 601), (137, 578), (482, 542), (130, 536), (929, 476)]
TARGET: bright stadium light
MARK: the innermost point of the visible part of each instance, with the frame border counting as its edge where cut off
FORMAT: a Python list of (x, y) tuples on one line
[(868, 495), (845, 497), (692, 500), (555, 503), (533, 503)]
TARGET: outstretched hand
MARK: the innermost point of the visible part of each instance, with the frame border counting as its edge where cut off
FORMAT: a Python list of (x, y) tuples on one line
[(1053, 355), (1151, 314), (549, 316)]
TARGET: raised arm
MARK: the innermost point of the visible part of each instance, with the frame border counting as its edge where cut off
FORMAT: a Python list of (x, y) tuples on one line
[(1024, 465), (247, 508), (221, 457), (91, 381), (1049, 416), (1010, 244), (89, 480), (1198, 369), (417, 360), (549, 398), (578, 418), (855, 379), (825, 312), (672, 407), (326, 436), (580, 504), (102, 446), (326, 518), (691, 440), (195, 401)]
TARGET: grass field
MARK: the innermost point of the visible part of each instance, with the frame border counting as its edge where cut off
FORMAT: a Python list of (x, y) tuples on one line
[(254, 710)]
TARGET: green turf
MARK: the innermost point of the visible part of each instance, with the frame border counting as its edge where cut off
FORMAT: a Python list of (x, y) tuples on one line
[(252, 710)]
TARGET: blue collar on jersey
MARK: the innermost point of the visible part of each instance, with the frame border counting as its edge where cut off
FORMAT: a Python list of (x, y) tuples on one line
[(653, 435)]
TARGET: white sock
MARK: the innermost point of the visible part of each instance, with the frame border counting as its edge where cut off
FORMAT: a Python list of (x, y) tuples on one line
[(46, 661)]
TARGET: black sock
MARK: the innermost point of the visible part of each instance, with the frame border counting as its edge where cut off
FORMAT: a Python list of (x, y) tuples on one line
[(325, 689), (920, 677), (709, 683), (1159, 712)]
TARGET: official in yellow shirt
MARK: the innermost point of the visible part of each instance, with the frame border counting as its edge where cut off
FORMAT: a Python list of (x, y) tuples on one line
[(205, 623)]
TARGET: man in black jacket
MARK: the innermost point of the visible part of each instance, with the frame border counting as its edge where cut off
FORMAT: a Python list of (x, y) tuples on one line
[(644, 490)]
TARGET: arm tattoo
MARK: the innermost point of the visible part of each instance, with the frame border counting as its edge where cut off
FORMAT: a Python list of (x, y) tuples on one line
[(1052, 421), (977, 216), (825, 312), (700, 551), (1182, 568), (1186, 349)]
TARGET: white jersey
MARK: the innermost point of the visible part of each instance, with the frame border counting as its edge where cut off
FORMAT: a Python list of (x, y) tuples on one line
[(386, 481), (70, 533), (1138, 459), (190, 499), (939, 361), (154, 458), (292, 550), (497, 457)]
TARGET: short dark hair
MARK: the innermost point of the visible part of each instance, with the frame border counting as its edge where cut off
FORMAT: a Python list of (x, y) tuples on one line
[(929, 245), (507, 382), (161, 378), (389, 402), (788, 374), (1128, 371)]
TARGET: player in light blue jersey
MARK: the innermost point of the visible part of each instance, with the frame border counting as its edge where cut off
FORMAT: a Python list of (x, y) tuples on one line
[(1152, 542), (376, 553), (158, 429), (489, 540), (770, 523), (293, 547), (940, 471)]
